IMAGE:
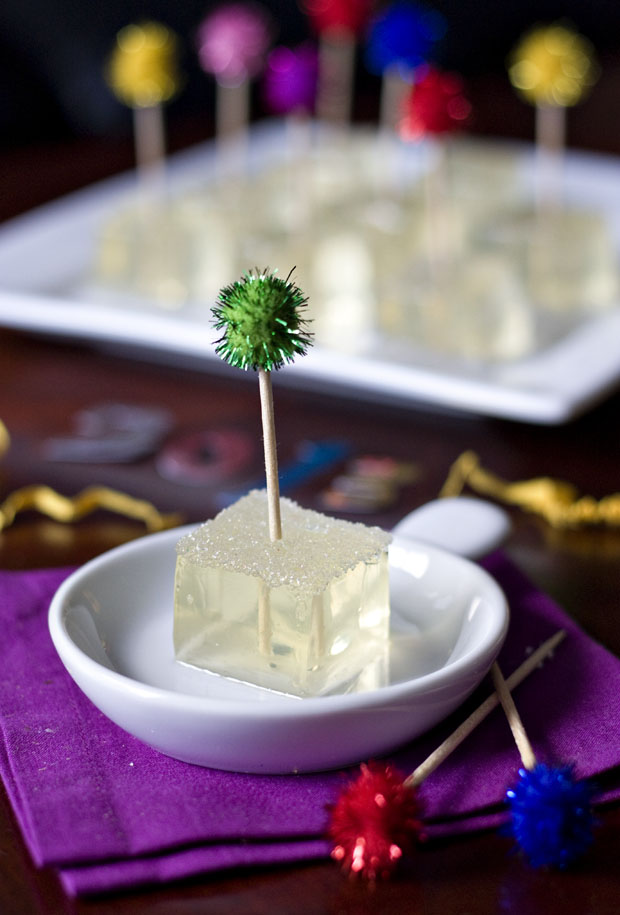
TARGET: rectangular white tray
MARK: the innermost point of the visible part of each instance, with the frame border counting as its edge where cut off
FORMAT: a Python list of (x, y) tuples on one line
[(45, 254)]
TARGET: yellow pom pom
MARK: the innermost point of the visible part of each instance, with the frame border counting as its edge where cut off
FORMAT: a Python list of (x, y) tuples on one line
[(142, 70), (553, 65)]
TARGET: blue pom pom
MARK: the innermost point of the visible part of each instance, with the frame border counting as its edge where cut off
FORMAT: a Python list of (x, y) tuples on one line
[(403, 35), (552, 819)]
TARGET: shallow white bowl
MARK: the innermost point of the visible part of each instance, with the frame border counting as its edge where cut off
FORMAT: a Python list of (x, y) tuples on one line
[(111, 623)]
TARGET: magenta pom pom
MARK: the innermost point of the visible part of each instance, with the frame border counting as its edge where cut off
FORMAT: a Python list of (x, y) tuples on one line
[(290, 79), (233, 42)]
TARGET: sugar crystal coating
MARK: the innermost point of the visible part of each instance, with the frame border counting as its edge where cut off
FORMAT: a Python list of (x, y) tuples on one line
[(313, 551)]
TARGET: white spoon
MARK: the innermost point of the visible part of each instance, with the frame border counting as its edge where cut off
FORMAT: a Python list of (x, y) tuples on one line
[(465, 526)]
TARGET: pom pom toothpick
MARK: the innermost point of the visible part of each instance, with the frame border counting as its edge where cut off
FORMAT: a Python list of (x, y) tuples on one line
[(375, 822), (143, 74), (289, 88), (551, 817), (553, 68), (261, 317), (400, 40), (377, 818), (338, 24), (232, 44), (436, 107)]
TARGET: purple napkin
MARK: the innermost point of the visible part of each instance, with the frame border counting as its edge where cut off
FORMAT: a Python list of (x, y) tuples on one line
[(109, 812)]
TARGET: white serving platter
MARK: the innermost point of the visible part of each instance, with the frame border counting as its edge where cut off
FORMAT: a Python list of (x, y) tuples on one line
[(45, 256), (111, 623)]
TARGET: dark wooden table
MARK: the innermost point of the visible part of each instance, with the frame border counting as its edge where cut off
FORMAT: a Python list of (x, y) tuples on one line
[(43, 382)]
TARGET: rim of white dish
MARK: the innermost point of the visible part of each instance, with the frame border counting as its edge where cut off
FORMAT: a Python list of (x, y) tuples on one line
[(278, 705)]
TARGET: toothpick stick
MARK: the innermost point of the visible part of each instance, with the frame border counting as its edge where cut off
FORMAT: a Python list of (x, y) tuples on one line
[(264, 618), (336, 67), (271, 456), (514, 719), (550, 148), (394, 90), (149, 143), (232, 128), (457, 737)]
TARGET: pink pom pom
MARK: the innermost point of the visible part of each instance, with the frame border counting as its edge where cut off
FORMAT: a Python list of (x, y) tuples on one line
[(233, 41), (374, 822)]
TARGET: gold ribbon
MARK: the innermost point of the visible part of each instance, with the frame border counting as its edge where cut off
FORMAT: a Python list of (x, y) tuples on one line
[(67, 509), (558, 502), (5, 439)]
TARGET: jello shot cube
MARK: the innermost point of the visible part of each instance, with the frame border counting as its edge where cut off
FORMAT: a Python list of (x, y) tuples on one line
[(307, 615)]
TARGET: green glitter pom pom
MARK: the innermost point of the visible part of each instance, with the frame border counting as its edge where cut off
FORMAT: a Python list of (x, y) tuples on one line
[(261, 320)]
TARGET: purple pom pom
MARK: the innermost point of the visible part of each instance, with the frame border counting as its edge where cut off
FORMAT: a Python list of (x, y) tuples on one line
[(290, 79), (552, 819)]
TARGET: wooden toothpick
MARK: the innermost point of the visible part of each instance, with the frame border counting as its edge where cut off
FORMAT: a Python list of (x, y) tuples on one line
[(271, 455), (458, 736), (514, 719)]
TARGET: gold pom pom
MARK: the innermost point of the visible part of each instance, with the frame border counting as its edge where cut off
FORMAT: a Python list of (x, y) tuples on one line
[(142, 70), (553, 65)]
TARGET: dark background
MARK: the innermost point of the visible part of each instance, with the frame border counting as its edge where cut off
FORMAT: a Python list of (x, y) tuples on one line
[(52, 55)]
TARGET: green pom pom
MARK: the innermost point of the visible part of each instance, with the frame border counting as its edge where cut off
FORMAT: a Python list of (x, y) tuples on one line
[(261, 319)]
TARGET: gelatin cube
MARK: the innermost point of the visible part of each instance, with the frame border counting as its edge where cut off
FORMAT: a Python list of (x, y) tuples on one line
[(307, 615)]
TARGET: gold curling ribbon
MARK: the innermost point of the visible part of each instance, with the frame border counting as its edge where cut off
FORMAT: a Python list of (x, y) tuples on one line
[(5, 438), (556, 501), (67, 509)]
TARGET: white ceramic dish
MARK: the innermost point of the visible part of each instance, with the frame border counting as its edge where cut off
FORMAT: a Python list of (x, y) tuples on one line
[(111, 623), (45, 256)]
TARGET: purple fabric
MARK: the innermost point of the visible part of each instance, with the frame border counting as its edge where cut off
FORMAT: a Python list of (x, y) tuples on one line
[(109, 812)]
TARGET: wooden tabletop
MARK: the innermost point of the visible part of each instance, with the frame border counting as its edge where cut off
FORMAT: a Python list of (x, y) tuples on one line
[(43, 383)]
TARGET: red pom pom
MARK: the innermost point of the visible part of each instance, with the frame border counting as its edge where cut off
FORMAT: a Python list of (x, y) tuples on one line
[(374, 822), (436, 105), (349, 16)]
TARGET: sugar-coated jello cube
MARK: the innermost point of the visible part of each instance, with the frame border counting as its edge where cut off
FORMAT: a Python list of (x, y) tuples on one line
[(306, 615)]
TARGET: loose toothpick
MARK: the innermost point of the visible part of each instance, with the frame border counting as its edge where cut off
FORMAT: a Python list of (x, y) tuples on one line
[(551, 817), (524, 746)]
